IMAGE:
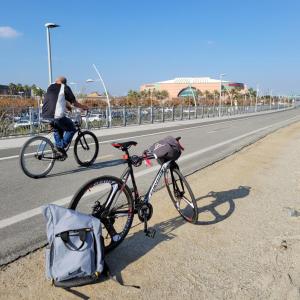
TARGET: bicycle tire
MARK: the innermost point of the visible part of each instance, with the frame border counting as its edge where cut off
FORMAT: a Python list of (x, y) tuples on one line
[(177, 194), (85, 201), (81, 144), (38, 157)]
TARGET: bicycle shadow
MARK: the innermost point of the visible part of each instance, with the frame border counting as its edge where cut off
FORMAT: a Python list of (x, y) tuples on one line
[(96, 166), (137, 244), (218, 206)]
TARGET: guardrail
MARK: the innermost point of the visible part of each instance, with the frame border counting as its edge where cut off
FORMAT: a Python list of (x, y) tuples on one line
[(23, 121)]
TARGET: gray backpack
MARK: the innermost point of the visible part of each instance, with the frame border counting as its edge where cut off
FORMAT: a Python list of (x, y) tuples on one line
[(74, 255), (166, 149)]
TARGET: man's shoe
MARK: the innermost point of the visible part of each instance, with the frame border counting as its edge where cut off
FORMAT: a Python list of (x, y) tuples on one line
[(61, 152)]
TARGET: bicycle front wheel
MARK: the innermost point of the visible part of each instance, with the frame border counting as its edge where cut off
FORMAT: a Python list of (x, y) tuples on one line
[(37, 157), (108, 199), (181, 195), (86, 148)]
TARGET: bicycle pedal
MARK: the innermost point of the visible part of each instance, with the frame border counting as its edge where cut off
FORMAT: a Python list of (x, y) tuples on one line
[(151, 233)]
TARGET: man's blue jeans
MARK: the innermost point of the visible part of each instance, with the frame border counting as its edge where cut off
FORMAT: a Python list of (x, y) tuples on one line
[(64, 130)]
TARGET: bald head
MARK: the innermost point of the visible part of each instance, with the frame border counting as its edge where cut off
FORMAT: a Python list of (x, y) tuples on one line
[(61, 80)]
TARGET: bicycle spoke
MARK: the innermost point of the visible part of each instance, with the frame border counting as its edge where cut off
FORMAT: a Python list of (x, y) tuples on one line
[(187, 201), (109, 200), (37, 157), (181, 195)]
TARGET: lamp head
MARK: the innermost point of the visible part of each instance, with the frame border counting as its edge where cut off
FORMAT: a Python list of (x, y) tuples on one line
[(51, 25)]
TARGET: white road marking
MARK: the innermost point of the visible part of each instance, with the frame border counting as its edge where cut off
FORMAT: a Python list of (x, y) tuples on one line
[(36, 211), (104, 156), (145, 135)]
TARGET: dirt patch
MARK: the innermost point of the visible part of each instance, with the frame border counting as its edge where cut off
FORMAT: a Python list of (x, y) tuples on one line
[(245, 245)]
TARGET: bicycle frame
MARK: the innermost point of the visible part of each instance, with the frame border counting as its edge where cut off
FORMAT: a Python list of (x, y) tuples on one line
[(129, 173), (50, 136)]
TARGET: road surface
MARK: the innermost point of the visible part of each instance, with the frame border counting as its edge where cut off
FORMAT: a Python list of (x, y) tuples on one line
[(22, 227)]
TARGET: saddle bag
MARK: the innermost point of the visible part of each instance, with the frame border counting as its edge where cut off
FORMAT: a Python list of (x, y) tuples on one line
[(166, 149)]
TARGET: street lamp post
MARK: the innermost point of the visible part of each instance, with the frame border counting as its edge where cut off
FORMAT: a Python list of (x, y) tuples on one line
[(256, 97), (220, 101), (107, 97), (48, 26)]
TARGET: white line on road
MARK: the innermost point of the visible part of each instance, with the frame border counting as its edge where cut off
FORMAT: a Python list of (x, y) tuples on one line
[(36, 211)]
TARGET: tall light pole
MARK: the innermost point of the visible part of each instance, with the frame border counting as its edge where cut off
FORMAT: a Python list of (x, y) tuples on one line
[(107, 97), (256, 97), (48, 26), (220, 100)]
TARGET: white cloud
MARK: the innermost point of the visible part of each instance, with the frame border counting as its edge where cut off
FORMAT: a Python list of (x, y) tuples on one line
[(8, 32)]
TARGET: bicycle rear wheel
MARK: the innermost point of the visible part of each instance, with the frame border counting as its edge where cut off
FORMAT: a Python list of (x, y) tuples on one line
[(37, 157), (107, 199), (86, 148), (181, 195)]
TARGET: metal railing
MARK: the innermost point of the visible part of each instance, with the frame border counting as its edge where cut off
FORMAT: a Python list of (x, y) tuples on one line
[(24, 121)]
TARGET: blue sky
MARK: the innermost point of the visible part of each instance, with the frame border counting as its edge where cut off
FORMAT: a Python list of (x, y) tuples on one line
[(134, 42)]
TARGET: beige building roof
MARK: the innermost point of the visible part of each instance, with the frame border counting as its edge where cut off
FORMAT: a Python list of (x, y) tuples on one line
[(192, 80)]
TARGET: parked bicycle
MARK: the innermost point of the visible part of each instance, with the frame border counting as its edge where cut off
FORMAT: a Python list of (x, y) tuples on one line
[(111, 200), (38, 155)]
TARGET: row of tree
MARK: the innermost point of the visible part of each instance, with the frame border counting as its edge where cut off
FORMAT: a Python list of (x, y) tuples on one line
[(232, 96), (25, 91)]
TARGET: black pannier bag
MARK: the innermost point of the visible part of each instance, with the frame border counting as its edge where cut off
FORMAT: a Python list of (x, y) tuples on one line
[(166, 149)]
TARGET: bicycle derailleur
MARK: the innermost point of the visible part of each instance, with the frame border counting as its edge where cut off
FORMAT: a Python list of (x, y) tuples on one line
[(145, 212)]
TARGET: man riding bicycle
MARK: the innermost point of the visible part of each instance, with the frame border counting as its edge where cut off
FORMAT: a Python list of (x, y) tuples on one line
[(59, 96)]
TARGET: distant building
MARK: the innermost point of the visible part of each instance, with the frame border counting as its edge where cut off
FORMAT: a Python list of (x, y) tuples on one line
[(180, 87), (4, 90), (94, 95)]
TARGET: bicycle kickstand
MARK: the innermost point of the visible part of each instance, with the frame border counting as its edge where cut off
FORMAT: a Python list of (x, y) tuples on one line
[(149, 232)]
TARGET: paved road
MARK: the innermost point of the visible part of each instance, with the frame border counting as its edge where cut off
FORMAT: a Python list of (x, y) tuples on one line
[(21, 225)]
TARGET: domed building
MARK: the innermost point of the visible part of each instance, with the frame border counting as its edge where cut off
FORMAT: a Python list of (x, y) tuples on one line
[(184, 86)]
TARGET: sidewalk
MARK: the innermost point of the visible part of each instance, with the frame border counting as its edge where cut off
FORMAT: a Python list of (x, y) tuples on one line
[(245, 245), (16, 142)]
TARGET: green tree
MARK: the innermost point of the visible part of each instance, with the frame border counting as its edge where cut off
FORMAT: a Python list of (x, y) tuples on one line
[(37, 91), (12, 88)]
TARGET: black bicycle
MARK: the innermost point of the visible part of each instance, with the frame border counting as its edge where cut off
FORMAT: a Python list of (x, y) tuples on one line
[(111, 200), (38, 155)]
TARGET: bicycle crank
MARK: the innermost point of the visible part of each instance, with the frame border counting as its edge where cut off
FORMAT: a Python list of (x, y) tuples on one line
[(145, 212)]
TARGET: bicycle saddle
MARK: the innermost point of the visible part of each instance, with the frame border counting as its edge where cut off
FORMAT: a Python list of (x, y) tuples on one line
[(124, 146)]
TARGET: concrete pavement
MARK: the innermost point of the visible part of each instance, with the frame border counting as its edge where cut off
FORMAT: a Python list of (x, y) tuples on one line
[(245, 245), (22, 227)]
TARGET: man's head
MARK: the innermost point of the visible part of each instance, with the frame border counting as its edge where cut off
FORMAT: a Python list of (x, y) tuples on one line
[(61, 80)]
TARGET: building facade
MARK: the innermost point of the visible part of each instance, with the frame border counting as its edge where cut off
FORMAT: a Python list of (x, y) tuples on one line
[(4, 89), (182, 87)]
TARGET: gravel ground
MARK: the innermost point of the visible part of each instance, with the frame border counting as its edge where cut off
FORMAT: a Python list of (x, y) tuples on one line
[(245, 245)]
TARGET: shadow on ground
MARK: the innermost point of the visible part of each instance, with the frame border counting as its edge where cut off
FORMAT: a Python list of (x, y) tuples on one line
[(217, 206), (95, 166)]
